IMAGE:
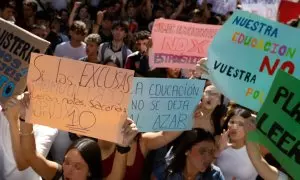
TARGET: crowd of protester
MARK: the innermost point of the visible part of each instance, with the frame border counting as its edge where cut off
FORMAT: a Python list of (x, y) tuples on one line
[(118, 33)]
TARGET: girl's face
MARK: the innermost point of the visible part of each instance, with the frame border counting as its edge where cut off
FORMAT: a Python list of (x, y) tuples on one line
[(236, 128), (211, 98), (201, 156), (173, 73), (83, 13), (74, 166), (131, 12)]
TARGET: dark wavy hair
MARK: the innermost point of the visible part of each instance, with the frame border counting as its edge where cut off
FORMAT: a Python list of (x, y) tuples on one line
[(187, 140), (217, 116), (91, 153), (142, 35)]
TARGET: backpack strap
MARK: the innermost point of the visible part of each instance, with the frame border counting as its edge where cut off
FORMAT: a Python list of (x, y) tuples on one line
[(104, 47), (124, 54)]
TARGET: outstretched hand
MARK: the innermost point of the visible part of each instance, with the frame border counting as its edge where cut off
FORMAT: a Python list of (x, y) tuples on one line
[(129, 132), (224, 142), (100, 16), (201, 68), (77, 4), (16, 106)]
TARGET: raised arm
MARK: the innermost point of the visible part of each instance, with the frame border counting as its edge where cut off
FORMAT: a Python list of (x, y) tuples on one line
[(12, 115), (129, 132), (148, 12), (264, 169), (98, 23), (119, 167), (205, 9), (43, 167), (155, 140), (73, 13), (123, 10), (178, 10)]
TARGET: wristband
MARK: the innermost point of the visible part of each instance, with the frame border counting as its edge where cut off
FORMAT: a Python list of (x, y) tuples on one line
[(123, 150)]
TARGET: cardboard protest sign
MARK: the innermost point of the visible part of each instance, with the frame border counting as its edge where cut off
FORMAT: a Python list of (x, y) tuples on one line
[(265, 8), (16, 45), (247, 52), (160, 104), (288, 10), (85, 98), (221, 6), (179, 44), (278, 123)]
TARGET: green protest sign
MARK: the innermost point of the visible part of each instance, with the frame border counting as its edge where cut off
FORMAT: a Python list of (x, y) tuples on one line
[(278, 123)]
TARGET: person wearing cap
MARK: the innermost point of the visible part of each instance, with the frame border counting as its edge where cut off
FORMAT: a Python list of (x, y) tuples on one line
[(117, 46)]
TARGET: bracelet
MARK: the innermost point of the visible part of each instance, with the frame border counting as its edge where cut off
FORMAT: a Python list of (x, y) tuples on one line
[(27, 134), (123, 150)]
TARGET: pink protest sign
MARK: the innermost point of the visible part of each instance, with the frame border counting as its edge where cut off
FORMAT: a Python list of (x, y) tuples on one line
[(179, 44)]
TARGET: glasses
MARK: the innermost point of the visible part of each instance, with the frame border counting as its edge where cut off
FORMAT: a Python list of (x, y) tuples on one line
[(238, 123)]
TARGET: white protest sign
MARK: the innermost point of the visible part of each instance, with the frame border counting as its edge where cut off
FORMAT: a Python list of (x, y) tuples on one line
[(221, 6), (265, 8)]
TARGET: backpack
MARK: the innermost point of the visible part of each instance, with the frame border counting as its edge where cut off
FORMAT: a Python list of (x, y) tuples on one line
[(124, 52)]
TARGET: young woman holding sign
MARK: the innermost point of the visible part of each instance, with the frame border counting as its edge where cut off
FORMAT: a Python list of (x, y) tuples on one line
[(136, 152), (211, 110), (233, 159), (192, 158), (232, 141), (83, 158)]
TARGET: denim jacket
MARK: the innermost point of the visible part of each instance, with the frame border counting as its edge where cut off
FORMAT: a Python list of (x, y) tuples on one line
[(161, 173)]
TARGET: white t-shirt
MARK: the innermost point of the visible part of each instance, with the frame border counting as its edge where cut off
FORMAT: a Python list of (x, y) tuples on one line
[(44, 137), (235, 164), (282, 176), (66, 50)]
